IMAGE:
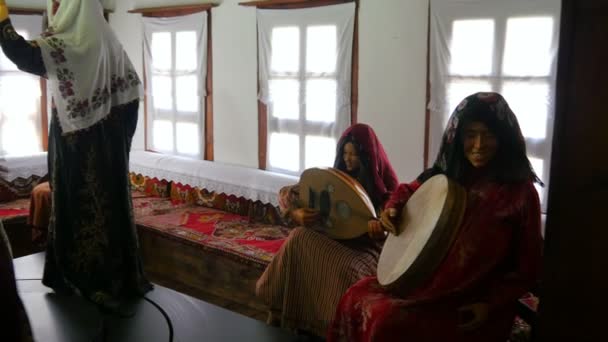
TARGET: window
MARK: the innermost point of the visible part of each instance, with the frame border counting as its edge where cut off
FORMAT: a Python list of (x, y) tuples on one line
[(176, 64), (21, 104), (305, 73), (506, 47)]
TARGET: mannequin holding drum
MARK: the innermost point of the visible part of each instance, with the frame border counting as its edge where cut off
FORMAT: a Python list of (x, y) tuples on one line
[(466, 240), (314, 267)]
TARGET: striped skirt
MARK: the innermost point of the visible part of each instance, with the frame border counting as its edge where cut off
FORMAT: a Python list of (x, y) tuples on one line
[(307, 277)]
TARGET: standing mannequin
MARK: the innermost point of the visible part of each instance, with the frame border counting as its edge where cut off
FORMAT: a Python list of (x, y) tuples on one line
[(92, 243)]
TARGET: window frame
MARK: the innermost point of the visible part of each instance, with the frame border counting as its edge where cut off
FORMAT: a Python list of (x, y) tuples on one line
[(44, 117), (540, 148), (263, 114), (175, 11)]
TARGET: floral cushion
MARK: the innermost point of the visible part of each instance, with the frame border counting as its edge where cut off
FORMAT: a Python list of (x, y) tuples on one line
[(149, 186), (254, 211), (153, 205), (18, 188), (17, 209), (220, 232)]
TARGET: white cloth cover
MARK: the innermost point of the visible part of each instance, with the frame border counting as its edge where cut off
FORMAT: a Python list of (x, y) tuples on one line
[(196, 22), (341, 16), (235, 180), (443, 14), (12, 168)]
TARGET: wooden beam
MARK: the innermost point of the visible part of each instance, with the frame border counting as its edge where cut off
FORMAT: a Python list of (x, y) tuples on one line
[(173, 11), (262, 134), (291, 4), (427, 112), (21, 10), (209, 149), (354, 81), (38, 11), (44, 115)]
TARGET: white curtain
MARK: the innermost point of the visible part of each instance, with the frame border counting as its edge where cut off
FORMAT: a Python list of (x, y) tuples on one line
[(175, 56), (20, 108), (508, 47), (305, 63)]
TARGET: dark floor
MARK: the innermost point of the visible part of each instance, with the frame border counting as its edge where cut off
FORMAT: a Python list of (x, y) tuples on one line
[(21, 243), (233, 306), (20, 237)]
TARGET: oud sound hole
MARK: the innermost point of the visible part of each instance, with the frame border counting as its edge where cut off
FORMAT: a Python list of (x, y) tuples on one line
[(343, 210)]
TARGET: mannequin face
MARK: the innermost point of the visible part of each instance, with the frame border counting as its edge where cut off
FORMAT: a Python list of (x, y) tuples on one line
[(480, 144), (351, 157)]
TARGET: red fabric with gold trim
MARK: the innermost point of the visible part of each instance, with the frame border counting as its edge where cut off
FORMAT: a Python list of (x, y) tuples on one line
[(19, 208), (220, 232), (254, 211), (18, 188), (150, 186)]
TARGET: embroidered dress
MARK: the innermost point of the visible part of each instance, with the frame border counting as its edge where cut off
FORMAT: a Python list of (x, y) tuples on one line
[(494, 259), (306, 278), (92, 242)]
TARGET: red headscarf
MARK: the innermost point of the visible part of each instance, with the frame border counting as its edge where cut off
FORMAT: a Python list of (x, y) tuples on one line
[(382, 178)]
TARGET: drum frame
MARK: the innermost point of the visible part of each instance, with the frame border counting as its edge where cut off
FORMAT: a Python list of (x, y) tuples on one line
[(429, 259)]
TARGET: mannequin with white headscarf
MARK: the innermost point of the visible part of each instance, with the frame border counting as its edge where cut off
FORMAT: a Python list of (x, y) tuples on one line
[(95, 91)]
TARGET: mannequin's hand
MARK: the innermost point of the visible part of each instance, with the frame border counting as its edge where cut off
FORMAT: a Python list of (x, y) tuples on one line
[(375, 229), (388, 218), (305, 216), (471, 316)]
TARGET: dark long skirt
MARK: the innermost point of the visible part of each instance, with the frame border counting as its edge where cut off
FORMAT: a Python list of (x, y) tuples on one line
[(93, 246)]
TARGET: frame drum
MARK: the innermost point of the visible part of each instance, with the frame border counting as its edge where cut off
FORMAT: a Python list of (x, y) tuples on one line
[(428, 224)]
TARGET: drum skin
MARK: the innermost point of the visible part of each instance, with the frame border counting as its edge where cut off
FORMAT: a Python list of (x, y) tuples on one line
[(348, 208), (428, 224)]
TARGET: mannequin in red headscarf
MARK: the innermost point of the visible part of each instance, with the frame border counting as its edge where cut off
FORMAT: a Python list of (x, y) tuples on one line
[(305, 280)]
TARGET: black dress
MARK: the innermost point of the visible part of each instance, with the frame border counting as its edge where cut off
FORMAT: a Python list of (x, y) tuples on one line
[(92, 245)]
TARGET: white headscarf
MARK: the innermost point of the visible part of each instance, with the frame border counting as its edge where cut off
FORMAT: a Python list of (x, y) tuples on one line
[(89, 70)]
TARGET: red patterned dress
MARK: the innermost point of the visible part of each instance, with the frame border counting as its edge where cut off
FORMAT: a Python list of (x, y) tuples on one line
[(495, 259)]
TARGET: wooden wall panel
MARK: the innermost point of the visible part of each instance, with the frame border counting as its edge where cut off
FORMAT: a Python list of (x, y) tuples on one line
[(574, 288)]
